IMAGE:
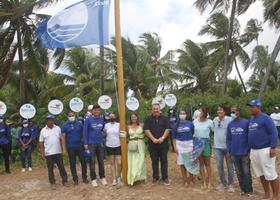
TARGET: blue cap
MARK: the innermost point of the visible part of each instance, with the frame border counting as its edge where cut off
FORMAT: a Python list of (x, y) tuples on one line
[(25, 121), (2, 116), (50, 116), (255, 102), (87, 154)]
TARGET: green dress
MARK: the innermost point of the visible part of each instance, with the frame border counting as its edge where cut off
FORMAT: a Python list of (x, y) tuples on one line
[(136, 159)]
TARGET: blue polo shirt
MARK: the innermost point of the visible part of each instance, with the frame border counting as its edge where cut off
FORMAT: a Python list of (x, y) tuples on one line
[(73, 134), (5, 133), (92, 132), (262, 132), (25, 134), (237, 137), (183, 131)]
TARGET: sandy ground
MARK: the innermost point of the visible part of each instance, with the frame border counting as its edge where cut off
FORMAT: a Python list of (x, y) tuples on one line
[(34, 186)]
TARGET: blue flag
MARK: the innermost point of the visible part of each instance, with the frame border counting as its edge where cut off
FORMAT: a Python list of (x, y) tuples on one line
[(83, 23)]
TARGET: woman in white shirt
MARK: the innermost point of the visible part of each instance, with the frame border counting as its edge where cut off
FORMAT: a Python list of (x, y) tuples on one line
[(113, 147)]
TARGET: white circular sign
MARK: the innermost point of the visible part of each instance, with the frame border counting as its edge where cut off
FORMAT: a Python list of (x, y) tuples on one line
[(170, 100), (3, 108), (132, 103), (160, 101), (105, 102), (76, 104), (55, 107), (27, 111)]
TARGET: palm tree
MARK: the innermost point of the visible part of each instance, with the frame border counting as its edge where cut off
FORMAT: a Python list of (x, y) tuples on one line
[(271, 14), (19, 23), (217, 26), (239, 6), (163, 66), (193, 63)]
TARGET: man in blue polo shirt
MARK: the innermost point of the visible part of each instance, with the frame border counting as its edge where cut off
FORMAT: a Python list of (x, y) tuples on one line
[(263, 139), (5, 138), (93, 140), (238, 148), (72, 132)]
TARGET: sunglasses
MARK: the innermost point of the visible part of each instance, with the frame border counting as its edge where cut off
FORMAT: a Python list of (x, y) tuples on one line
[(219, 124)]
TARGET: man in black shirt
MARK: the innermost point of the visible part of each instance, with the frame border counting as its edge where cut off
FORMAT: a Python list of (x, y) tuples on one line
[(157, 130)]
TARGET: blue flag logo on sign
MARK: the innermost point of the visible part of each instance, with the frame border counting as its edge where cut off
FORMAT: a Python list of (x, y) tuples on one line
[(84, 23)]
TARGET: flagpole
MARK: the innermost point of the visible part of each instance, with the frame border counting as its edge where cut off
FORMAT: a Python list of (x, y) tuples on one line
[(121, 95)]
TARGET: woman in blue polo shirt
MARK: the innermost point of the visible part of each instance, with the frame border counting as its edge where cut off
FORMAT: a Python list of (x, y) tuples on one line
[(183, 143), (25, 138)]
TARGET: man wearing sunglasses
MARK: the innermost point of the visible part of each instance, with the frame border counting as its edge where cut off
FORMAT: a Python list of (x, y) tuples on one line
[(262, 140)]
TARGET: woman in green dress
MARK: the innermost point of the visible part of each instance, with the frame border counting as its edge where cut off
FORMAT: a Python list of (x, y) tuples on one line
[(136, 151)]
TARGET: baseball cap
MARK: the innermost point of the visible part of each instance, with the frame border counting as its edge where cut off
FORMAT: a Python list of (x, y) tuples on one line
[(255, 102), (25, 121), (50, 116)]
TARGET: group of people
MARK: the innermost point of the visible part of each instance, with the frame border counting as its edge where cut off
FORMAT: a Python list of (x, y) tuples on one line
[(237, 141)]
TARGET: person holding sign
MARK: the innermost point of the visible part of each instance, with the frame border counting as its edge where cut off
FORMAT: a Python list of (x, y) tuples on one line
[(51, 150), (5, 138), (25, 138), (72, 132), (113, 147), (93, 140), (157, 130), (136, 151)]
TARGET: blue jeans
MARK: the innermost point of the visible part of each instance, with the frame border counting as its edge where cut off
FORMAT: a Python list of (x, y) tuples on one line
[(97, 151), (26, 153), (242, 168), (220, 156)]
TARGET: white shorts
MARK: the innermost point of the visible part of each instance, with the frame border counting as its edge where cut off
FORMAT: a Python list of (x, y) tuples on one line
[(263, 164), (183, 147)]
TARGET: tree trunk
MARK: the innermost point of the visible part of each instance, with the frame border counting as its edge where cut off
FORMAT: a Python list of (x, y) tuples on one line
[(6, 65), (21, 67), (268, 69), (101, 70), (239, 75), (226, 66)]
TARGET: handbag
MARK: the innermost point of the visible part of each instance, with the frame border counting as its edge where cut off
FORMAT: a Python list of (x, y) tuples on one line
[(132, 146)]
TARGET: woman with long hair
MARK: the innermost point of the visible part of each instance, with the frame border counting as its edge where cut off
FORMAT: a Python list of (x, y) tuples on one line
[(136, 151)]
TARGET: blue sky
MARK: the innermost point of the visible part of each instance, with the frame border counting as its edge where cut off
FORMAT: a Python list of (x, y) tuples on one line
[(173, 20)]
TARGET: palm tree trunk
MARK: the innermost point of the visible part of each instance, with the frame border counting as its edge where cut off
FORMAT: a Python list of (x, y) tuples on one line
[(269, 66), (239, 75), (101, 70), (21, 67), (6, 65), (226, 66)]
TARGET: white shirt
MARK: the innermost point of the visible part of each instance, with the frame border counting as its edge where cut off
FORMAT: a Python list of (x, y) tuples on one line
[(51, 139), (276, 118), (113, 134)]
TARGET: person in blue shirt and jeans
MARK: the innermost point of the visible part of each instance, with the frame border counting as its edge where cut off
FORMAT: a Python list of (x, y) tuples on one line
[(5, 138), (72, 131), (262, 140), (25, 138), (238, 148), (93, 140)]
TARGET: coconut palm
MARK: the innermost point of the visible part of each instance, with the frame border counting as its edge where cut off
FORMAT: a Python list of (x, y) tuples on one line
[(216, 27), (196, 72), (237, 6), (18, 21), (272, 15)]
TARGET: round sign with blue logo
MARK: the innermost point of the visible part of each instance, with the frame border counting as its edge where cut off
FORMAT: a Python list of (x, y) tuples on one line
[(27, 111), (159, 100), (3, 108), (170, 100), (55, 107), (132, 103), (76, 104), (105, 102)]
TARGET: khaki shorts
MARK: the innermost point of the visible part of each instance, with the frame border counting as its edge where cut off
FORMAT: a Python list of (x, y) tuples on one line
[(263, 164)]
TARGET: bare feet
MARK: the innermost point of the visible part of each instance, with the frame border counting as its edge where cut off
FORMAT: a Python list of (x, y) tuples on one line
[(266, 197)]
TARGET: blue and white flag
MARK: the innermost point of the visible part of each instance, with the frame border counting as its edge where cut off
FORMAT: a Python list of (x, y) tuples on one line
[(83, 23)]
